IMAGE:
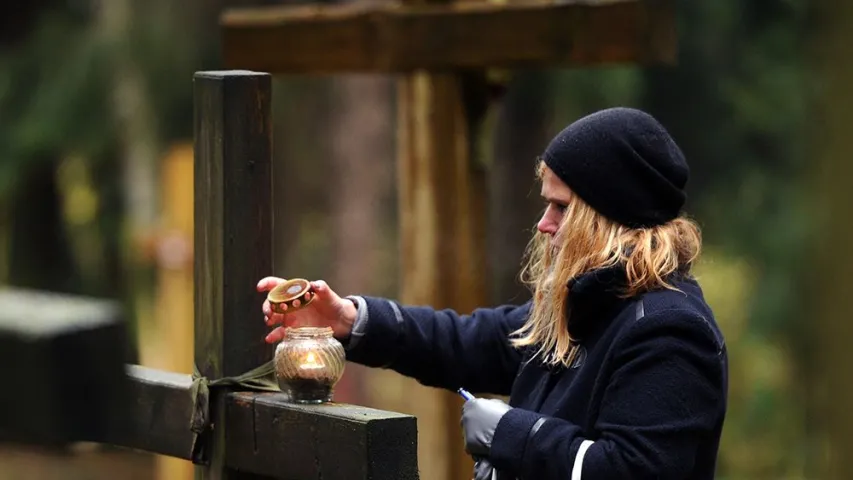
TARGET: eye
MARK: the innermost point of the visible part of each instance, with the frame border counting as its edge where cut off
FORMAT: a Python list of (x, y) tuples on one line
[(559, 207)]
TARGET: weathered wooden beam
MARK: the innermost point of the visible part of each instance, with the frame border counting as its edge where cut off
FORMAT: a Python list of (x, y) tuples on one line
[(233, 232), (267, 435), (61, 366), (158, 411), (400, 37), (442, 251)]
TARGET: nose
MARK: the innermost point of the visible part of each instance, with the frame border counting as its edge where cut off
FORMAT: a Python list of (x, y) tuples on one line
[(547, 225)]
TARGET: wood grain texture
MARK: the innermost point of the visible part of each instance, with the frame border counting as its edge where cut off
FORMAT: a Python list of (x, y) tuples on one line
[(402, 37), (233, 231), (61, 363), (441, 215), (441, 235), (269, 436), (158, 411)]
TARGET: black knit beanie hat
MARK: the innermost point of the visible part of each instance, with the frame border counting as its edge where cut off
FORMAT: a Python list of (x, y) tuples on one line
[(624, 164)]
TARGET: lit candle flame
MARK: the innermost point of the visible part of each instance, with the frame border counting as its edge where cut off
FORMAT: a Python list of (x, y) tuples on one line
[(310, 361)]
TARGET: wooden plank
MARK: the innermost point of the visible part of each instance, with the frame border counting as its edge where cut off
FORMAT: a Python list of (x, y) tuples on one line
[(441, 233), (398, 37), (173, 340), (269, 436), (233, 231), (158, 410), (61, 365), (441, 224)]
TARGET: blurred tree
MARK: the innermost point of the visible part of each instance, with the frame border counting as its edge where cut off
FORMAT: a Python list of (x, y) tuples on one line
[(91, 93), (52, 108), (63, 204), (826, 285), (737, 104), (359, 185), (519, 135), (17, 18)]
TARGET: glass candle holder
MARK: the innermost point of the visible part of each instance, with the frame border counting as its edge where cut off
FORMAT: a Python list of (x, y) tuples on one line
[(309, 362)]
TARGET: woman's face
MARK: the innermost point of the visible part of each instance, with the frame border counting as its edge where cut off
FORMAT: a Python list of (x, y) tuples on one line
[(558, 195)]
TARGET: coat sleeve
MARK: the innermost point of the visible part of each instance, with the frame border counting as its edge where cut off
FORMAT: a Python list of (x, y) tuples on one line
[(439, 348), (665, 396)]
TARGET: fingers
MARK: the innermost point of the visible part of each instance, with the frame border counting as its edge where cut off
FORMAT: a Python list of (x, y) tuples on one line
[(274, 319), (268, 283), (283, 317), (323, 292), (271, 317), (275, 336), (321, 288)]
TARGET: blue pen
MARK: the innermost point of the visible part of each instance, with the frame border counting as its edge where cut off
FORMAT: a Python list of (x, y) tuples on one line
[(465, 394)]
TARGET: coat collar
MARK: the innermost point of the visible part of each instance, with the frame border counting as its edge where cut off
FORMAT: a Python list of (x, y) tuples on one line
[(593, 296), (608, 281), (596, 296)]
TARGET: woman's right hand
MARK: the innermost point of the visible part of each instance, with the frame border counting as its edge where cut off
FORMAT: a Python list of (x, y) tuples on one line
[(327, 310)]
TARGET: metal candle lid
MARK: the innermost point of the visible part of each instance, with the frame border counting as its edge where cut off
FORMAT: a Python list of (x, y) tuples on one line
[(293, 294)]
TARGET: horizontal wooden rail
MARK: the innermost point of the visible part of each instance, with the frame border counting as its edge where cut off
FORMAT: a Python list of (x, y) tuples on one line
[(61, 359), (267, 435), (397, 38), (156, 414)]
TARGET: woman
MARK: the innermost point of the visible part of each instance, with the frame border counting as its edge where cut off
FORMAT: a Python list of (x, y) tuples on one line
[(616, 368)]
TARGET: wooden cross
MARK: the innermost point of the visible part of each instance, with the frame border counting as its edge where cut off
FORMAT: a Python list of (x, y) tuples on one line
[(441, 51), (72, 348)]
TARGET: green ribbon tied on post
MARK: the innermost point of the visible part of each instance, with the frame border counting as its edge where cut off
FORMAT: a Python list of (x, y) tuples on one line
[(260, 379)]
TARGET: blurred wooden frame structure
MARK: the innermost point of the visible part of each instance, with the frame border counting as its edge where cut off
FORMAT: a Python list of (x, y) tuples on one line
[(70, 361), (443, 52)]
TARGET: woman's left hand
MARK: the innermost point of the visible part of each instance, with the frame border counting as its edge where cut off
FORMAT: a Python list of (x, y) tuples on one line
[(480, 418)]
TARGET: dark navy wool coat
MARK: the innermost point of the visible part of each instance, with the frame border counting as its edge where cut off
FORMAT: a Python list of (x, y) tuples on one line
[(645, 399)]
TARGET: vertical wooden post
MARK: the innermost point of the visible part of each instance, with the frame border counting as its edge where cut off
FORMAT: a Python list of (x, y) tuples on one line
[(829, 276), (174, 297), (233, 231), (442, 256)]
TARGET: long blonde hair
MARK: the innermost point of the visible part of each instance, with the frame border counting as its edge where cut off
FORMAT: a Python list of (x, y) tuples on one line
[(590, 241)]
